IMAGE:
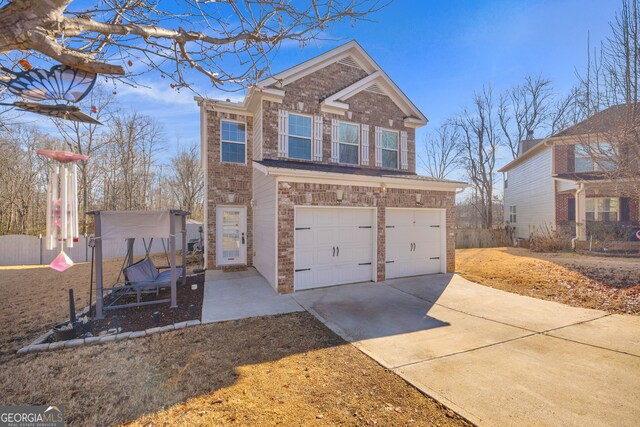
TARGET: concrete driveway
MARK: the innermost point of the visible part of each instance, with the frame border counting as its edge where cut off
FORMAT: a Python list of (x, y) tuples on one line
[(494, 357)]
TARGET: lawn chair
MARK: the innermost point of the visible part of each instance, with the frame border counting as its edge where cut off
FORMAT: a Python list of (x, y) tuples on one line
[(144, 276)]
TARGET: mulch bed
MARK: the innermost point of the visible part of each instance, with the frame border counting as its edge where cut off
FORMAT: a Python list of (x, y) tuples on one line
[(140, 318)]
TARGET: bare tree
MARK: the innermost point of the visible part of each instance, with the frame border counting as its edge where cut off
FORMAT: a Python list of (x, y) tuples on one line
[(187, 183), (228, 41), (89, 139), (525, 110), (479, 142), (441, 149)]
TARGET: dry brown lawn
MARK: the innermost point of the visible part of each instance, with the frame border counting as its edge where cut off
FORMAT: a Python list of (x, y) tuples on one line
[(280, 370), (604, 283)]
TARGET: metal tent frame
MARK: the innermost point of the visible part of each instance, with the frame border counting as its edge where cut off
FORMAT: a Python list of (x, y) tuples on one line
[(177, 218)]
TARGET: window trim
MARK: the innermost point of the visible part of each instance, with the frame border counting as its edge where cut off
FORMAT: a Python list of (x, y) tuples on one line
[(310, 117), (397, 132), (596, 212), (234, 142), (595, 166), (512, 214), (357, 125)]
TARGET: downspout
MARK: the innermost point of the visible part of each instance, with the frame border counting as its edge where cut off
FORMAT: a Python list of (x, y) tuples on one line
[(579, 191), (204, 143)]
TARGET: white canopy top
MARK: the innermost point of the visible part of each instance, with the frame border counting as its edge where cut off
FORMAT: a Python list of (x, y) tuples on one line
[(135, 224)]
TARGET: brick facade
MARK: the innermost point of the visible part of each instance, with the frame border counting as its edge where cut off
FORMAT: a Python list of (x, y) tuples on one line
[(225, 179), (366, 108), (305, 96), (305, 194), (564, 156)]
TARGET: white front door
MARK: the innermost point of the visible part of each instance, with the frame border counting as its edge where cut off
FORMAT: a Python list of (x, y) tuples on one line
[(231, 238), (414, 242), (333, 246)]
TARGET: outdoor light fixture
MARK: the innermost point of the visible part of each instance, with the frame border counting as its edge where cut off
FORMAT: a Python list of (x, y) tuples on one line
[(339, 195), (349, 115), (390, 122), (383, 188), (300, 106), (231, 197), (418, 199)]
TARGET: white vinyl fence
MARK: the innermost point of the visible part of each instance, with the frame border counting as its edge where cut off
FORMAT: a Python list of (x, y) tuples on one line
[(28, 250)]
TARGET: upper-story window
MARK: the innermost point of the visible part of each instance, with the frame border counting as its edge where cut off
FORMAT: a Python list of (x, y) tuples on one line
[(299, 137), (584, 158), (348, 137), (234, 142), (389, 149)]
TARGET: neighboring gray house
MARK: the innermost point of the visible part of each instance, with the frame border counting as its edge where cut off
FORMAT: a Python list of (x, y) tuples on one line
[(311, 179)]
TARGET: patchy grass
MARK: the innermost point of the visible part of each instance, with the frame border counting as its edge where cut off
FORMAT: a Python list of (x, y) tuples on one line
[(604, 283), (281, 370)]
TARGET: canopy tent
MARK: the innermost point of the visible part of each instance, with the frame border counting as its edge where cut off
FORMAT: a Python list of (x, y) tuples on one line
[(130, 225)]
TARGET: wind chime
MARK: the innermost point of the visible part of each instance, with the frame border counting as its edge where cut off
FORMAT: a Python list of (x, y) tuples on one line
[(61, 85), (62, 204)]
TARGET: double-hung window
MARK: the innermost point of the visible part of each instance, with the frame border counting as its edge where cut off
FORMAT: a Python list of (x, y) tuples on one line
[(389, 149), (512, 214), (603, 152), (602, 208), (299, 137), (234, 142), (348, 138)]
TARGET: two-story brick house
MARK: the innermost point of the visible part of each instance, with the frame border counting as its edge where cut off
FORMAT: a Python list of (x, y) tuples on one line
[(311, 179), (556, 183)]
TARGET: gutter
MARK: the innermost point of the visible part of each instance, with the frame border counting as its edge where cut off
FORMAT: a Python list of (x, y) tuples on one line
[(579, 191)]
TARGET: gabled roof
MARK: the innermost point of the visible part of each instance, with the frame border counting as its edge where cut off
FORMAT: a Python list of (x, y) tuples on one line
[(607, 120), (536, 148), (351, 54)]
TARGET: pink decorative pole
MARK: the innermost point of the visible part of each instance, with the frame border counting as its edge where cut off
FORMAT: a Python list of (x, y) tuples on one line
[(62, 204)]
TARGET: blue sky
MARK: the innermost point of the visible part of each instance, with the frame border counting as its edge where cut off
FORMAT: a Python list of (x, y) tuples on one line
[(438, 52)]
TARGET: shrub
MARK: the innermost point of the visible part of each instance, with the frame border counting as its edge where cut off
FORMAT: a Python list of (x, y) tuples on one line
[(546, 239)]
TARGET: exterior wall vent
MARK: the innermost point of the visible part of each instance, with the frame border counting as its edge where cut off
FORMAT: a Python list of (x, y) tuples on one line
[(376, 89), (349, 61)]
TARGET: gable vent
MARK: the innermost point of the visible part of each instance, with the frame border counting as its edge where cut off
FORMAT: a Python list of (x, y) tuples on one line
[(349, 61), (376, 89)]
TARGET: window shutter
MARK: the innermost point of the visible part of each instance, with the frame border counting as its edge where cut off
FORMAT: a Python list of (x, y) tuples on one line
[(624, 209), (335, 148), (364, 157), (378, 146), (571, 209), (404, 160), (317, 138), (283, 130)]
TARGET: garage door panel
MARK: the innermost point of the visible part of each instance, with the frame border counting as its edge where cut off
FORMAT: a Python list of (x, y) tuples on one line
[(349, 231), (413, 243)]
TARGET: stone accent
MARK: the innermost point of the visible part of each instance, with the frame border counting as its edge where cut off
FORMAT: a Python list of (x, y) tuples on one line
[(224, 179), (356, 196)]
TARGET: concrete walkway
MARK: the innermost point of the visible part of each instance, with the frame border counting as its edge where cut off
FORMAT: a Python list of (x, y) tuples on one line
[(241, 294), (497, 358)]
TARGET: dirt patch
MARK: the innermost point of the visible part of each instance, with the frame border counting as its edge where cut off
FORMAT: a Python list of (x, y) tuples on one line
[(282, 370), (35, 298), (604, 283)]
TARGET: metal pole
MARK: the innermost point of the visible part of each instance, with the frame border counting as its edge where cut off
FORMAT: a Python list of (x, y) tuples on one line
[(172, 249), (184, 248), (98, 263)]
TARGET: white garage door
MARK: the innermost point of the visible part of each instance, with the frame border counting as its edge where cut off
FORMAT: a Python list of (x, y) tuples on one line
[(333, 246), (414, 240)]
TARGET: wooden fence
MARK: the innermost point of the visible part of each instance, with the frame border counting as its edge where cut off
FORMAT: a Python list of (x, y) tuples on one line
[(481, 238)]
